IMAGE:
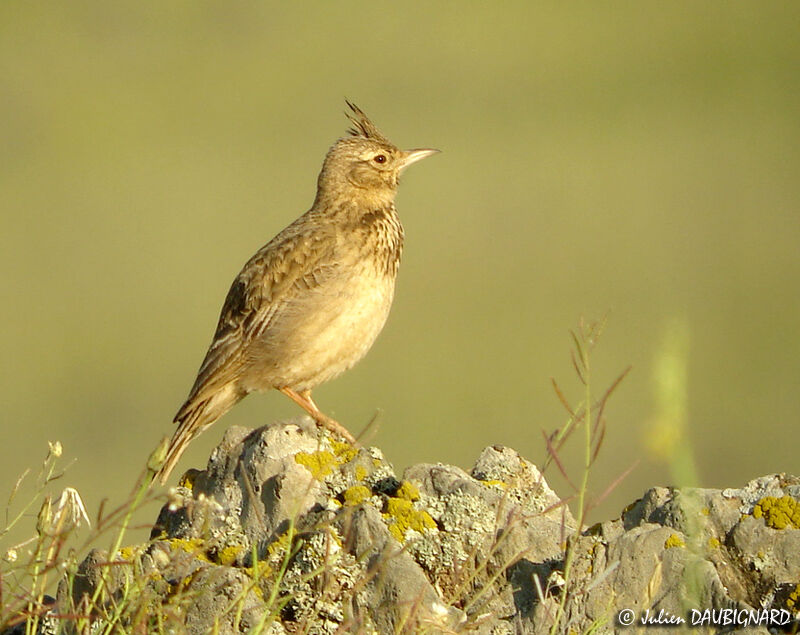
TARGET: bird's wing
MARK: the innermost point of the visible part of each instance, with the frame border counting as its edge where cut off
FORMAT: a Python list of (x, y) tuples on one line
[(295, 259)]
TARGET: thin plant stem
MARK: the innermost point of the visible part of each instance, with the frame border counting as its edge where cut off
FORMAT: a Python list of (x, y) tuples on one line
[(584, 372)]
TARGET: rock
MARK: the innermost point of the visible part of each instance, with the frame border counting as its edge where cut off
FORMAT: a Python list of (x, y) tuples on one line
[(685, 552), (289, 530)]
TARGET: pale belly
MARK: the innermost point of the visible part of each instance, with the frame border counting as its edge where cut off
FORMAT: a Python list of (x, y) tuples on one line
[(321, 334)]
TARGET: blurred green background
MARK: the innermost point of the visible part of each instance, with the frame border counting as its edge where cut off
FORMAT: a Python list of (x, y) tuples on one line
[(639, 160)]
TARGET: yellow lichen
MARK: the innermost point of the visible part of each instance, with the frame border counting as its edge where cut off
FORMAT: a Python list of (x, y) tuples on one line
[(320, 464), (408, 491), (227, 556), (593, 553), (179, 586), (188, 479), (199, 548), (126, 553), (778, 513), (278, 547), (674, 541), (705, 511), (793, 601), (404, 517), (356, 495), (361, 472), (495, 483), (194, 546), (335, 537), (264, 572), (343, 451), (713, 543), (258, 591)]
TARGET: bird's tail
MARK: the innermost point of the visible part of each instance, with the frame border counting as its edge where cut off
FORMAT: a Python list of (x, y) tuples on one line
[(192, 419)]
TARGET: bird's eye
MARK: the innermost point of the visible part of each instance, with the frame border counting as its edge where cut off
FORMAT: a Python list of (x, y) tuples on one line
[(381, 158)]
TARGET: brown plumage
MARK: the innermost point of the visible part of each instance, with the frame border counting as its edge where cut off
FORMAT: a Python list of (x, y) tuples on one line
[(310, 303)]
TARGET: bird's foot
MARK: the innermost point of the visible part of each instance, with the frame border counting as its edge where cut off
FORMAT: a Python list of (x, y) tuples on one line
[(334, 426), (304, 400)]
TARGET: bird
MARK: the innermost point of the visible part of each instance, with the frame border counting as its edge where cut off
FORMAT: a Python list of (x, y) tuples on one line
[(310, 303)]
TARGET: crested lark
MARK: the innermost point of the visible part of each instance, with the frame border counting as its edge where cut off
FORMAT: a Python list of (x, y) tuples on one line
[(310, 303)]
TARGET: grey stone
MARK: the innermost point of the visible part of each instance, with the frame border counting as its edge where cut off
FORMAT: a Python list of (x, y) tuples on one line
[(302, 533)]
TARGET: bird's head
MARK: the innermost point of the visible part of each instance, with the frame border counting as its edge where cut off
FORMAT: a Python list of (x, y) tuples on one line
[(366, 164)]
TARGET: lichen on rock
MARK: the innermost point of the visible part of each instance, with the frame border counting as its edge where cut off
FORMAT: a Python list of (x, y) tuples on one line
[(290, 530), (778, 513)]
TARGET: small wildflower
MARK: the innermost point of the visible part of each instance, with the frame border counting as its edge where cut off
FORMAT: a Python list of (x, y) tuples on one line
[(11, 555), (70, 509), (68, 514), (55, 448)]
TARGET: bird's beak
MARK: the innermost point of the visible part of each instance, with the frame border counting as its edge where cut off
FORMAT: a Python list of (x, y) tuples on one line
[(412, 156)]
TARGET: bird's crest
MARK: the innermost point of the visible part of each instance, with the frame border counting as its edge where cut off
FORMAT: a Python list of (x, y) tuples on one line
[(362, 126)]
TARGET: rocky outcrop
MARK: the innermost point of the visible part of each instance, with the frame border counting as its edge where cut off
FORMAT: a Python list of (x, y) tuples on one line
[(289, 530)]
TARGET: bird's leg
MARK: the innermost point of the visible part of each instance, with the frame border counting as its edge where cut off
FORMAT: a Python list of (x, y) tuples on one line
[(304, 400), (325, 421)]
